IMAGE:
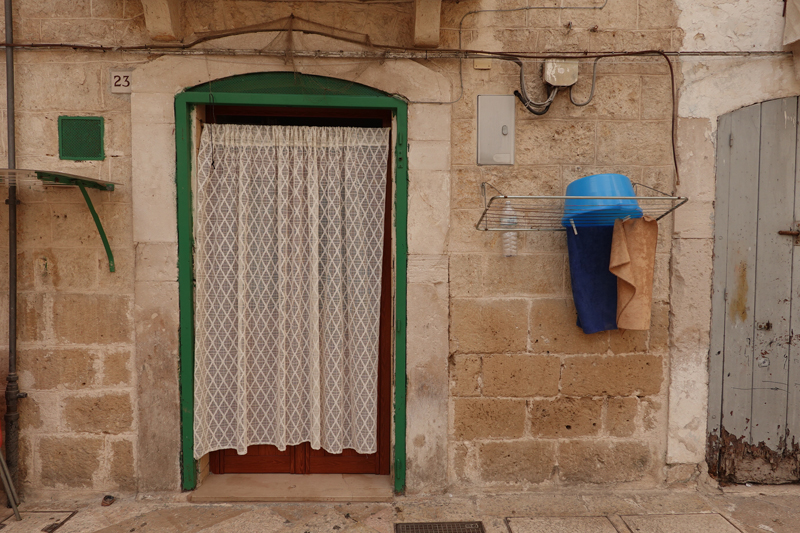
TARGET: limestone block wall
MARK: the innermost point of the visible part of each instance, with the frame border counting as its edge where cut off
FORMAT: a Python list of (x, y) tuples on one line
[(76, 327), (75, 318), (76, 338), (531, 400), (534, 399)]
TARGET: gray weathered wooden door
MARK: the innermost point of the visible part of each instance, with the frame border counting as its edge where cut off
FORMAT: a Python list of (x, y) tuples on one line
[(754, 364)]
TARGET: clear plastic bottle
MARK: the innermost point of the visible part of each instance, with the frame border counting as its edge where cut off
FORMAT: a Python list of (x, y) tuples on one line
[(509, 220)]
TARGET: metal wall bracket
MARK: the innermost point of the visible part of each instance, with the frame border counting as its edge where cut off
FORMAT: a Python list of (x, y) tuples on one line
[(61, 179), (97, 223), (58, 178), (794, 232)]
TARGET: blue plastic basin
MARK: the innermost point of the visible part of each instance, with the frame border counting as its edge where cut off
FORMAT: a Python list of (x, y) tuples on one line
[(599, 212)]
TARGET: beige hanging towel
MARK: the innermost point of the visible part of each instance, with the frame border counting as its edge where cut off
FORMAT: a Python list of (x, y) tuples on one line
[(633, 256)]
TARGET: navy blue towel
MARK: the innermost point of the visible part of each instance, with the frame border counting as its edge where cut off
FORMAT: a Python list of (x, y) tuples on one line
[(594, 287)]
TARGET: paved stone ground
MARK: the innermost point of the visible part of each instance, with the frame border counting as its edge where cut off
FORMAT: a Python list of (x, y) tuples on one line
[(755, 509)]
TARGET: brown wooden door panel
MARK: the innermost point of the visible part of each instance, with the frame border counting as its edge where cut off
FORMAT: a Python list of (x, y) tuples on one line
[(259, 458), (247, 464), (347, 462)]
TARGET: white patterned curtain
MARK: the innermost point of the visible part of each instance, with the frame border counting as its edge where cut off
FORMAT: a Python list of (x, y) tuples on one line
[(289, 240)]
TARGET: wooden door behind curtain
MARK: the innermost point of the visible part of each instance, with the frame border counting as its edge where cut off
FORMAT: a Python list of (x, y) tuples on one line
[(302, 459)]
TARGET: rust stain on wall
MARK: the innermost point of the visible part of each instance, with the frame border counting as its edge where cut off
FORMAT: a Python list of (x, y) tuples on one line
[(738, 304)]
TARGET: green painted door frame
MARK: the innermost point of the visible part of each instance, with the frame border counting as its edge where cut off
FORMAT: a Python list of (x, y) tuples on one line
[(285, 90)]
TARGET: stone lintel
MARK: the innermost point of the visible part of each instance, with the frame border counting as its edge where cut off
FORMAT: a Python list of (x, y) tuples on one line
[(163, 19), (427, 19), (794, 48)]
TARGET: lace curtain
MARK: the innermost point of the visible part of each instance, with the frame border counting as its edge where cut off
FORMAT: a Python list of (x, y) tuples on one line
[(289, 240)]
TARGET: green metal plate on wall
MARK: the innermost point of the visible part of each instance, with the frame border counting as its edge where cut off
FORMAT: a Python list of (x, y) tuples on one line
[(81, 138), (286, 83)]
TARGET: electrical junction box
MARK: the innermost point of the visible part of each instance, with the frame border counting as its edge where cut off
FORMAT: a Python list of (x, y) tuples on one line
[(496, 114), (561, 72)]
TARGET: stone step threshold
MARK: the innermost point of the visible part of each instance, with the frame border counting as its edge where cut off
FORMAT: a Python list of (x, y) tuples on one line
[(293, 488)]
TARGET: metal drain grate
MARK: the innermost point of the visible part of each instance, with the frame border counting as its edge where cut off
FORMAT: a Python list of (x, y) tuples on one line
[(440, 527)]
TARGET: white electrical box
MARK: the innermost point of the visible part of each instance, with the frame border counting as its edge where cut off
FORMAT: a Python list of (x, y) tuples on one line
[(496, 129), (561, 72)]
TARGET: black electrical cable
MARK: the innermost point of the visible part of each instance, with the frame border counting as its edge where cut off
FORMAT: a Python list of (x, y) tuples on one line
[(461, 54), (516, 58), (591, 93), (537, 108)]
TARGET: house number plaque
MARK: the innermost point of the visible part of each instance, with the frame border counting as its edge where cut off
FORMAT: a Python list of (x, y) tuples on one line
[(121, 81)]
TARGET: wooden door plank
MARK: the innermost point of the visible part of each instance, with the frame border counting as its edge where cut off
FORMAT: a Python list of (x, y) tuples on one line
[(715, 376), (347, 462), (300, 454), (383, 459), (215, 464), (793, 389), (740, 272), (773, 274), (259, 458), (246, 464)]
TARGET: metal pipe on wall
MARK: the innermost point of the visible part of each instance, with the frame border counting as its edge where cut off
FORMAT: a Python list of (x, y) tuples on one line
[(11, 439)]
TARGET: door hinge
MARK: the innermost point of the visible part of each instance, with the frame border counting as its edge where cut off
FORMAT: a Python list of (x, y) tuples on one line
[(730, 140), (725, 297)]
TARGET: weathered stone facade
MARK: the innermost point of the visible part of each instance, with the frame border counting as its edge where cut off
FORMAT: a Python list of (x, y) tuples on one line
[(504, 390)]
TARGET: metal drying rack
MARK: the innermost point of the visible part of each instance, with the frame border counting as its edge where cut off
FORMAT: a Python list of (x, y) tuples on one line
[(545, 213)]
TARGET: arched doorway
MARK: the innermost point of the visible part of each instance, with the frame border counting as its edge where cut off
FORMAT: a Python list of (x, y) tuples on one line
[(289, 95)]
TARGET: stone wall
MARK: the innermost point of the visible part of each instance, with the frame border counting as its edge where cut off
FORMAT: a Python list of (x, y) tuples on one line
[(76, 339), (75, 318), (532, 400), (525, 380)]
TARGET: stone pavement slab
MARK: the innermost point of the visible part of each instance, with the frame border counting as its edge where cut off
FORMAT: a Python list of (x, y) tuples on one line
[(93, 517), (583, 524), (759, 509), (255, 521), (574, 510), (35, 521), (185, 519), (679, 523)]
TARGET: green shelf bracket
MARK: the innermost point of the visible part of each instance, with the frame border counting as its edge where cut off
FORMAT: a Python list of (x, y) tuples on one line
[(97, 223), (13, 176), (62, 179)]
